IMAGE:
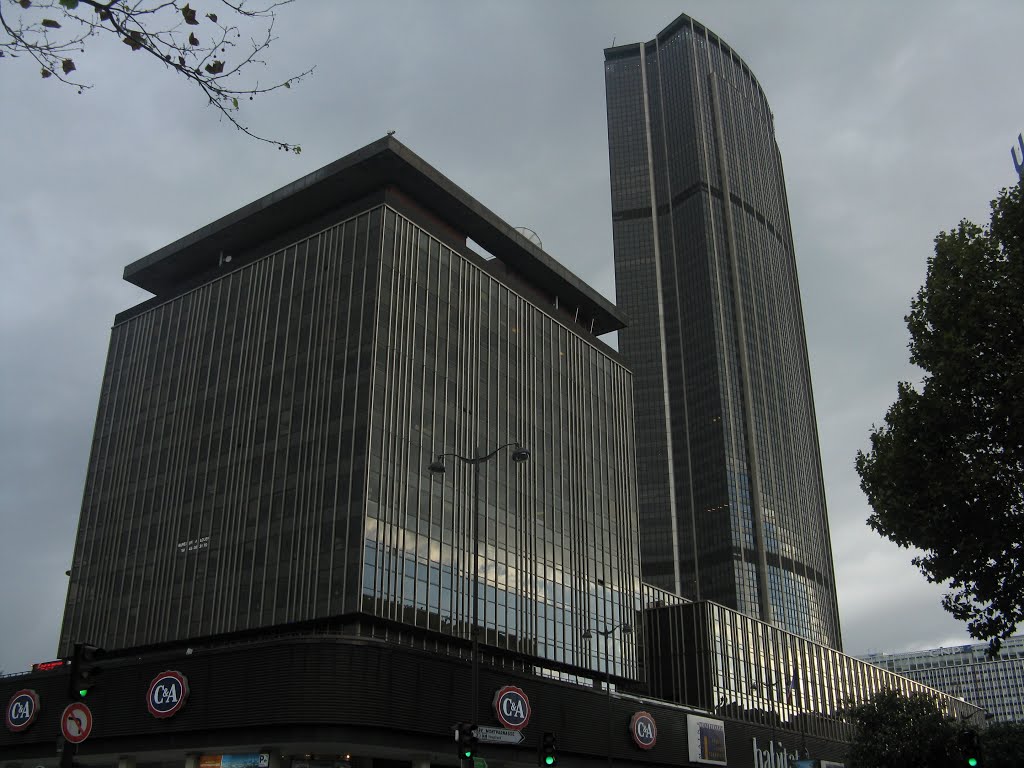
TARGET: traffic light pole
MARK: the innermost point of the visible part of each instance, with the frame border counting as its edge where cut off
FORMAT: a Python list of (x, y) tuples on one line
[(85, 668), (607, 635), (476, 589), (67, 754), (608, 696)]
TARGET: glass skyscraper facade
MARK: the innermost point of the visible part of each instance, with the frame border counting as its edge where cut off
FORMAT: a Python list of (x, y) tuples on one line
[(267, 420), (731, 497)]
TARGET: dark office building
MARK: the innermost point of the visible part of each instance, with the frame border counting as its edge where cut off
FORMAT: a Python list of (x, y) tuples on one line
[(267, 421), (731, 499)]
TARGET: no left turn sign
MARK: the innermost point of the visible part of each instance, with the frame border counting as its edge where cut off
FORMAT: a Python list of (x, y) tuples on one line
[(76, 722)]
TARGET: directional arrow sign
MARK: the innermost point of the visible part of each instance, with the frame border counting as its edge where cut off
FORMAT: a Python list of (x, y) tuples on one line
[(489, 735)]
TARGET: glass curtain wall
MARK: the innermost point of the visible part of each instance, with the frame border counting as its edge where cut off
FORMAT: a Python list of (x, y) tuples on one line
[(228, 459), (464, 364)]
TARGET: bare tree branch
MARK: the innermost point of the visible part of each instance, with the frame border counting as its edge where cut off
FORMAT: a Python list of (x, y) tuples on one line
[(207, 49)]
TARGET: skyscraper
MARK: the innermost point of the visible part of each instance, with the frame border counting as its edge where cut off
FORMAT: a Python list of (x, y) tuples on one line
[(267, 420), (732, 503)]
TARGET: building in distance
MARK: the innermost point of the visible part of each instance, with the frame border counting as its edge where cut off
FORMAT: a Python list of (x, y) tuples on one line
[(967, 672)]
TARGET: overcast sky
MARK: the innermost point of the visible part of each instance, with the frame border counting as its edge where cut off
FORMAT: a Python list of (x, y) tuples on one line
[(895, 120)]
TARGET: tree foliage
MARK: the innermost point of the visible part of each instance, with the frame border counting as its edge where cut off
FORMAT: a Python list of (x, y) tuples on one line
[(213, 50), (1002, 745), (945, 473), (897, 731)]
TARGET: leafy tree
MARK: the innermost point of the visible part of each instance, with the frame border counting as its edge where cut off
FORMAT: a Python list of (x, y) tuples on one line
[(1002, 745), (897, 731), (945, 473), (213, 51)]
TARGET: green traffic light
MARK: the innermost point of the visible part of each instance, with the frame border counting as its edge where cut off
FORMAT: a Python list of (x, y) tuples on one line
[(549, 760), (467, 754), (972, 761), (83, 692)]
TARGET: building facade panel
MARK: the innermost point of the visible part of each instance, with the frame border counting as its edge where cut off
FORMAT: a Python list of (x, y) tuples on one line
[(228, 457), (465, 364)]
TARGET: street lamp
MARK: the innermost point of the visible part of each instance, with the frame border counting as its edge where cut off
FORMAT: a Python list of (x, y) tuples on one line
[(625, 629), (519, 455)]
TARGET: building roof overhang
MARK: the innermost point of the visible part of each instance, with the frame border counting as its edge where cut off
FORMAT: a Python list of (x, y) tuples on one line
[(386, 162)]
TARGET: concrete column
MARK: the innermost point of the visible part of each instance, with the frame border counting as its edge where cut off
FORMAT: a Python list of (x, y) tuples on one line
[(191, 761)]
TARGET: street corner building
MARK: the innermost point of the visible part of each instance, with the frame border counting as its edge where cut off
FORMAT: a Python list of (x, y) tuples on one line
[(731, 496), (262, 513), (362, 478), (267, 421)]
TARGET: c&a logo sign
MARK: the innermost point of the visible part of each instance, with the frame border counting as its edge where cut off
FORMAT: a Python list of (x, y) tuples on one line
[(512, 707), (22, 710), (645, 732), (167, 694)]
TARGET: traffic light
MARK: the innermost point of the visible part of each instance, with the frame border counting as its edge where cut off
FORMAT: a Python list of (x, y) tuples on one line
[(465, 736), (968, 743), (84, 670), (547, 757)]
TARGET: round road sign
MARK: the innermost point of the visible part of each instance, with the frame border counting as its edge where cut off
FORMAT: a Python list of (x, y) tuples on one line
[(76, 722)]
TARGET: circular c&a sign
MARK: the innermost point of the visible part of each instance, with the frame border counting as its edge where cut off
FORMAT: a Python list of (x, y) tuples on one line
[(512, 707), (21, 710), (167, 694), (643, 729)]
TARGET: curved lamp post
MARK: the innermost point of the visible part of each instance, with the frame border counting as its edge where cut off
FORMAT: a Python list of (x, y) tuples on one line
[(437, 466), (625, 629)]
